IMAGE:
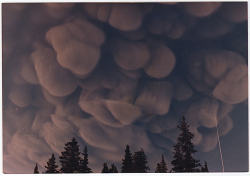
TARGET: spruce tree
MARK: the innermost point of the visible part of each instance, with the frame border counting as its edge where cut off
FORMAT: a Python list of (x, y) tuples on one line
[(184, 149), (177, 162), (36, 169), (162, 166), (105, 168), (70, 159), (140, 162), (158, 168), (113, 169), (204, 169), (127, 162), (84, 162), (51, 165)]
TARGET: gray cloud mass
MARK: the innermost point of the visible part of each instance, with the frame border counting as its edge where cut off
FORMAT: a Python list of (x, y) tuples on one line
[(112, 74)]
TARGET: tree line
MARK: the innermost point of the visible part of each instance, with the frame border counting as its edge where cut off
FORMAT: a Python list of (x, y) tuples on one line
[(183, 160)]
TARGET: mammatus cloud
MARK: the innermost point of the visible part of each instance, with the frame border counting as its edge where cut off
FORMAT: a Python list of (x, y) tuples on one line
[(118, 74), (78, 40), (155, 97), (57, 80), (132, 14)]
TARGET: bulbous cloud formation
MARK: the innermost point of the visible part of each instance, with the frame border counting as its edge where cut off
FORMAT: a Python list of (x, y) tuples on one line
[(112, 74), (57, 80), (155, 97), (130, 56), (162, 62), (201, 9), (132, 14), (216, 70), (77, 45)]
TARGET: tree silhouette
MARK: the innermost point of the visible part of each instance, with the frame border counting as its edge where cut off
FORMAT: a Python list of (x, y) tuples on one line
[(158, 168), (140, 161), (113, 169), (177, 162), (204, 169), (137, 163), (183, 159), (84, 162), (51, 165), (127, 162), (70, 159), (162, 166), (36, 169), (105, 168)]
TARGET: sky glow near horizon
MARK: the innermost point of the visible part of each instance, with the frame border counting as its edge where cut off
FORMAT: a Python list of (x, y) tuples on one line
[(118, 74)]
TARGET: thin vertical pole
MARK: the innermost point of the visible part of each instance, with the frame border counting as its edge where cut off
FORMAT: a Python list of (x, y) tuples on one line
[(218, 137)]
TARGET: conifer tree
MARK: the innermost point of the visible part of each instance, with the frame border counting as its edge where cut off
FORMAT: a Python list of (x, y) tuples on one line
[(140, 162), (184, 149), (127, 162), (177, 162), (158, 168), (36, 169), (162, 166), (84, 162), (105, 168), (70, 159), (51, 165), (204, 169), (113, 169)]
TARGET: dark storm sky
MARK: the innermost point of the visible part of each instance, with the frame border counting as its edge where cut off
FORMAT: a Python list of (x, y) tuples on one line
[(118, 74)]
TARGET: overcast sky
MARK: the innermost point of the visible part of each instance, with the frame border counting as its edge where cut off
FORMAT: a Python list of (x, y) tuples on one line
[(118, 74)]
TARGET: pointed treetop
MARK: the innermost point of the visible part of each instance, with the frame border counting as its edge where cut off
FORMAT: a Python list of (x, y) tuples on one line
[(140, 162), (113, 169), (51, 165), (105, 168), (84, 162), (127, 162), (36, 169), (70, 159), (162, 166), (184, 150), (205, 168)]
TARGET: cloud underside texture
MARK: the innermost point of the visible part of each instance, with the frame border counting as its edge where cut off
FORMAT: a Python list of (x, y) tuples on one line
[(118, 74)]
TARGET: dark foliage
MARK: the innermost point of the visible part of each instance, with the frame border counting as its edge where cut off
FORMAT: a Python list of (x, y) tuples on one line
[(140, 162), (158, 168), (51, 165), (127, 162), (70, 159), (84, 162), (184, 149), (205, 168), (105, 168), (183, 160), (113, 169), (162, 166), (36, 169)]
